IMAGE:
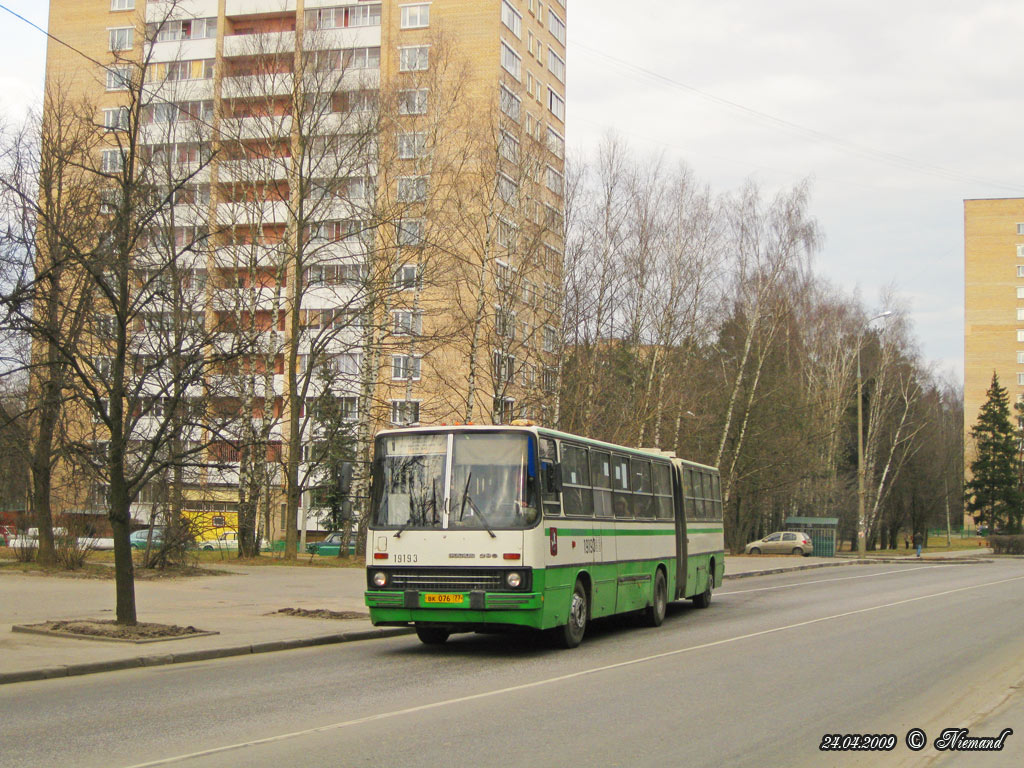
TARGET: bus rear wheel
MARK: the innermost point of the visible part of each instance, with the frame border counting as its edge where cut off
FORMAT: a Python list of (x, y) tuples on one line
[(654, 614), (703, 600), (576, 623), (432, 635)]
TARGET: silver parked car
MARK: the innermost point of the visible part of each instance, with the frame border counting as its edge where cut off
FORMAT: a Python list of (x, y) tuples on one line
[(782, 543)]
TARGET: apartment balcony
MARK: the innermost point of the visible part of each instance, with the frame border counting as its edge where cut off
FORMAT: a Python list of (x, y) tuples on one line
[(258, 86), (258, 7), (183, 50), (180, 132), (339, 39), (156, 10), (256, 170), (268, 127), (162, 91), (244, 256), (244, 214), (260, 44)]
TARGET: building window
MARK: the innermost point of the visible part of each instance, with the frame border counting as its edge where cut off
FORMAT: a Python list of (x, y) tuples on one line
[(412, 102), (507, 189), (405, 367), (507, 234), (554, 181), (407, 277), (1020, 334), (405, 412), (1020, 251), (512, 19), (416, 16), (505, 323), (508, 147), (1020, 291), (115, 119), (122, 5), (504, 410), (511, 61), (1020, 358), (121, 39), (408, 323), (556, 65), (118, 78), (556, 104), (1020, 313), (410, 232), (556, 143), (550, 339), (411, 145), (112, 161), (556, 27), (414, 58), (1020, 229), (1020, 379), (511, 104), (503, 367), (412, 189)]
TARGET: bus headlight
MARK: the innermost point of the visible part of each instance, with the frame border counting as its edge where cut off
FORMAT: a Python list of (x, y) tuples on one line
[(514, 579), (380, 579)]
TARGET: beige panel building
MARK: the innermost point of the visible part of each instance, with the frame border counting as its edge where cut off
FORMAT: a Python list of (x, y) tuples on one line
[(471, 331), (993, 304)]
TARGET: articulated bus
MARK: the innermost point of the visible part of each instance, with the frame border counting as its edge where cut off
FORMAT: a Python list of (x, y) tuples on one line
[(476, 528)]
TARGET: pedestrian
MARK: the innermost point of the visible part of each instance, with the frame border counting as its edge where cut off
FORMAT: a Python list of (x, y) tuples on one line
[(906, 541), (918, 542)]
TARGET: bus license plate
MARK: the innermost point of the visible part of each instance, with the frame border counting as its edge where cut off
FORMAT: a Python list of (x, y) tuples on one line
[(444, 599)]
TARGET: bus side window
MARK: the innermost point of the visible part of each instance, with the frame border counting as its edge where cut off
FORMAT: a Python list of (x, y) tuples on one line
[(601, 477), (716, 489), (620, 487), (663, 491), (576, 495), (548, 466), (643, 501)]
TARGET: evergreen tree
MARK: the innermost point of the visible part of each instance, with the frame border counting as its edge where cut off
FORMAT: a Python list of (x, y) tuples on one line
[(993, 492)]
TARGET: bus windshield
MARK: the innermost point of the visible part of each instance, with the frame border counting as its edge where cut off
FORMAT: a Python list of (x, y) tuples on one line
[(488, 482)]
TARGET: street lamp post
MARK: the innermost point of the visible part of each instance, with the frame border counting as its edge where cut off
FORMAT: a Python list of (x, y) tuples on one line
[(861, 513)]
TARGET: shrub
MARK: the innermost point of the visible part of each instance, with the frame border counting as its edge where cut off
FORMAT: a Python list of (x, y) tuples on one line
[(1007, 545)]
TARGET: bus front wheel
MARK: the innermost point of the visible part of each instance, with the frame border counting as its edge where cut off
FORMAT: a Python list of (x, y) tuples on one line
[(576, 623), (432, 635)]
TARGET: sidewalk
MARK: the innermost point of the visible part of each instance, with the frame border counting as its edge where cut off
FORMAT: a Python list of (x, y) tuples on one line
[(240, 606)]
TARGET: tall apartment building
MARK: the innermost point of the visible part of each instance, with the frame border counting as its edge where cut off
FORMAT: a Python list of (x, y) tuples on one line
[(374, 202), (993, 304)]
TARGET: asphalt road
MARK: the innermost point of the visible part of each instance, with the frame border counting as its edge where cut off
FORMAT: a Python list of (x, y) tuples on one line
[(758, 679)]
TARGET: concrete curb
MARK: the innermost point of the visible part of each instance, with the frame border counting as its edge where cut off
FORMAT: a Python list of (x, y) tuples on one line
[(788, 568), (73, 670)]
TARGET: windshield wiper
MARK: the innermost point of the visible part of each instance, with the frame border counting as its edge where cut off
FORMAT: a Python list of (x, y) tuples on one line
[(472, 505)]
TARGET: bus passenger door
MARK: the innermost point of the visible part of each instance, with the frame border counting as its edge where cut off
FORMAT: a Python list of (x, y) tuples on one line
[(605, 573)]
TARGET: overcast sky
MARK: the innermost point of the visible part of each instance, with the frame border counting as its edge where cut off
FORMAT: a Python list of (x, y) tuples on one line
[(897, 111)]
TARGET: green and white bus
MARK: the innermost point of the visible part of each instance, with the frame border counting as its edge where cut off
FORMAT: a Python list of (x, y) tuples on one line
[(493, 527)]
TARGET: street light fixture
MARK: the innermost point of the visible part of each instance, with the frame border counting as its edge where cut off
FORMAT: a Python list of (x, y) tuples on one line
[(861, 514)]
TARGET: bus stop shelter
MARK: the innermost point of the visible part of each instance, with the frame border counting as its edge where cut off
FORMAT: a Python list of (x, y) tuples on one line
[(822, 531)]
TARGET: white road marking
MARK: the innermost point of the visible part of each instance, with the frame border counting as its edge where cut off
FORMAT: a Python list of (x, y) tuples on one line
[(841, 578), (552, 680)]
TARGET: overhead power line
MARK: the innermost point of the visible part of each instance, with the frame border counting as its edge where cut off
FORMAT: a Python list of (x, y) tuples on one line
[(848, 147)]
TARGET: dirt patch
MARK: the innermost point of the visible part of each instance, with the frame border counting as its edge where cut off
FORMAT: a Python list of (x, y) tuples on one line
[(108, 629), (320, 613), (106, 571)]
